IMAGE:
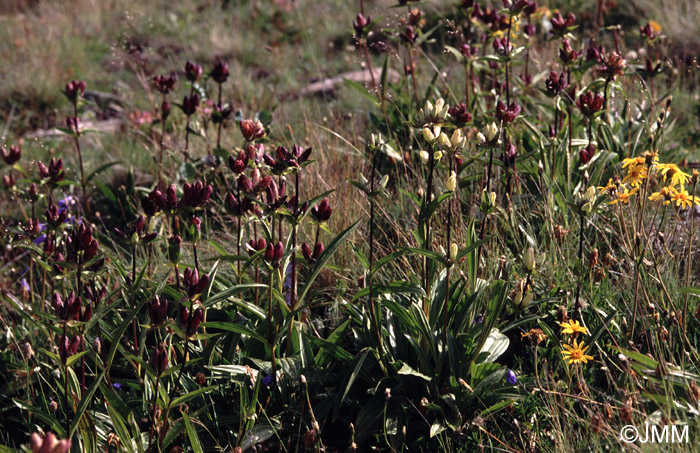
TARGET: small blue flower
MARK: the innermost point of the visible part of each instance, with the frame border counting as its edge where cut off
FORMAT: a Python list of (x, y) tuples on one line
[(268, 380), (511, 378), (288, 283), (117, 386), (39, 239), (64, 204), (479, 319), (24, 284)]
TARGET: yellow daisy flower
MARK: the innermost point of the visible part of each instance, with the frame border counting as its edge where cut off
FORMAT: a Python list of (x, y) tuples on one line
[(624, 197), (674, 173), (655, 26), (576, 353), (610, 187), (635, 175), (633, 161), (663, 194), (682, 198), (573, 327)]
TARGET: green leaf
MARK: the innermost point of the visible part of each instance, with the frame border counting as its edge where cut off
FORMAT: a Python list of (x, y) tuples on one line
[(192, 434), (361, 90), (639, 357), (100, 169), (496, 407), (694, 290), (601, 328), (238, 328), (109, 357), (107, 192), (399, 287), (408, 371), (350, 380), (427, 253), (331, 346), (188, 396)]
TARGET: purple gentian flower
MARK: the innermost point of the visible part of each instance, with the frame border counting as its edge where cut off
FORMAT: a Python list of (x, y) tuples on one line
[(117, 386), (511, 378), (24, 284), (268, 380), (64, 204), (288, 283)]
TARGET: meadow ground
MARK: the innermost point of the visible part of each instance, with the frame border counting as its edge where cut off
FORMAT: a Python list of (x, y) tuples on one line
[(341, 226)]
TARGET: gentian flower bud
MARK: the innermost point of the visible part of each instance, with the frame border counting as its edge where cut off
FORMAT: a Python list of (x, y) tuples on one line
[(306, 251), (174, 252), (279, 250), (157, 310), (74, 90), (12, 155), (164, 84), (238, 164), (269, 253), (590, 103), (193, 71), (586, 154), (220, 72), (322, 212), (252, 130), (159, 361), (194, 283), (507, 114), (49, 444), (190, 104), (360, 23)]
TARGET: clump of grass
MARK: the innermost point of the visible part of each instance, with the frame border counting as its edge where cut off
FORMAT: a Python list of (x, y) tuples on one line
[(452, 258)]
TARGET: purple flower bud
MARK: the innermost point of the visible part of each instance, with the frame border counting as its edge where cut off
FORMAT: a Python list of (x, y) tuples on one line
[(194, 321), (252, 130), (74, 89), (586, 154), (164, 84), (157, 310), (360, 23), (12, 155), (165, 110), (507, 114), (460, 115), (318, 250), (409, 35), (511, 378), (174, 252), (196, 194), (220, 72), (322, 212), (171, 198), (190, 104), (279, 251), (238, 164), (193, 71), (590, 103), (269, 253), (306, 251), (159, 361)]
